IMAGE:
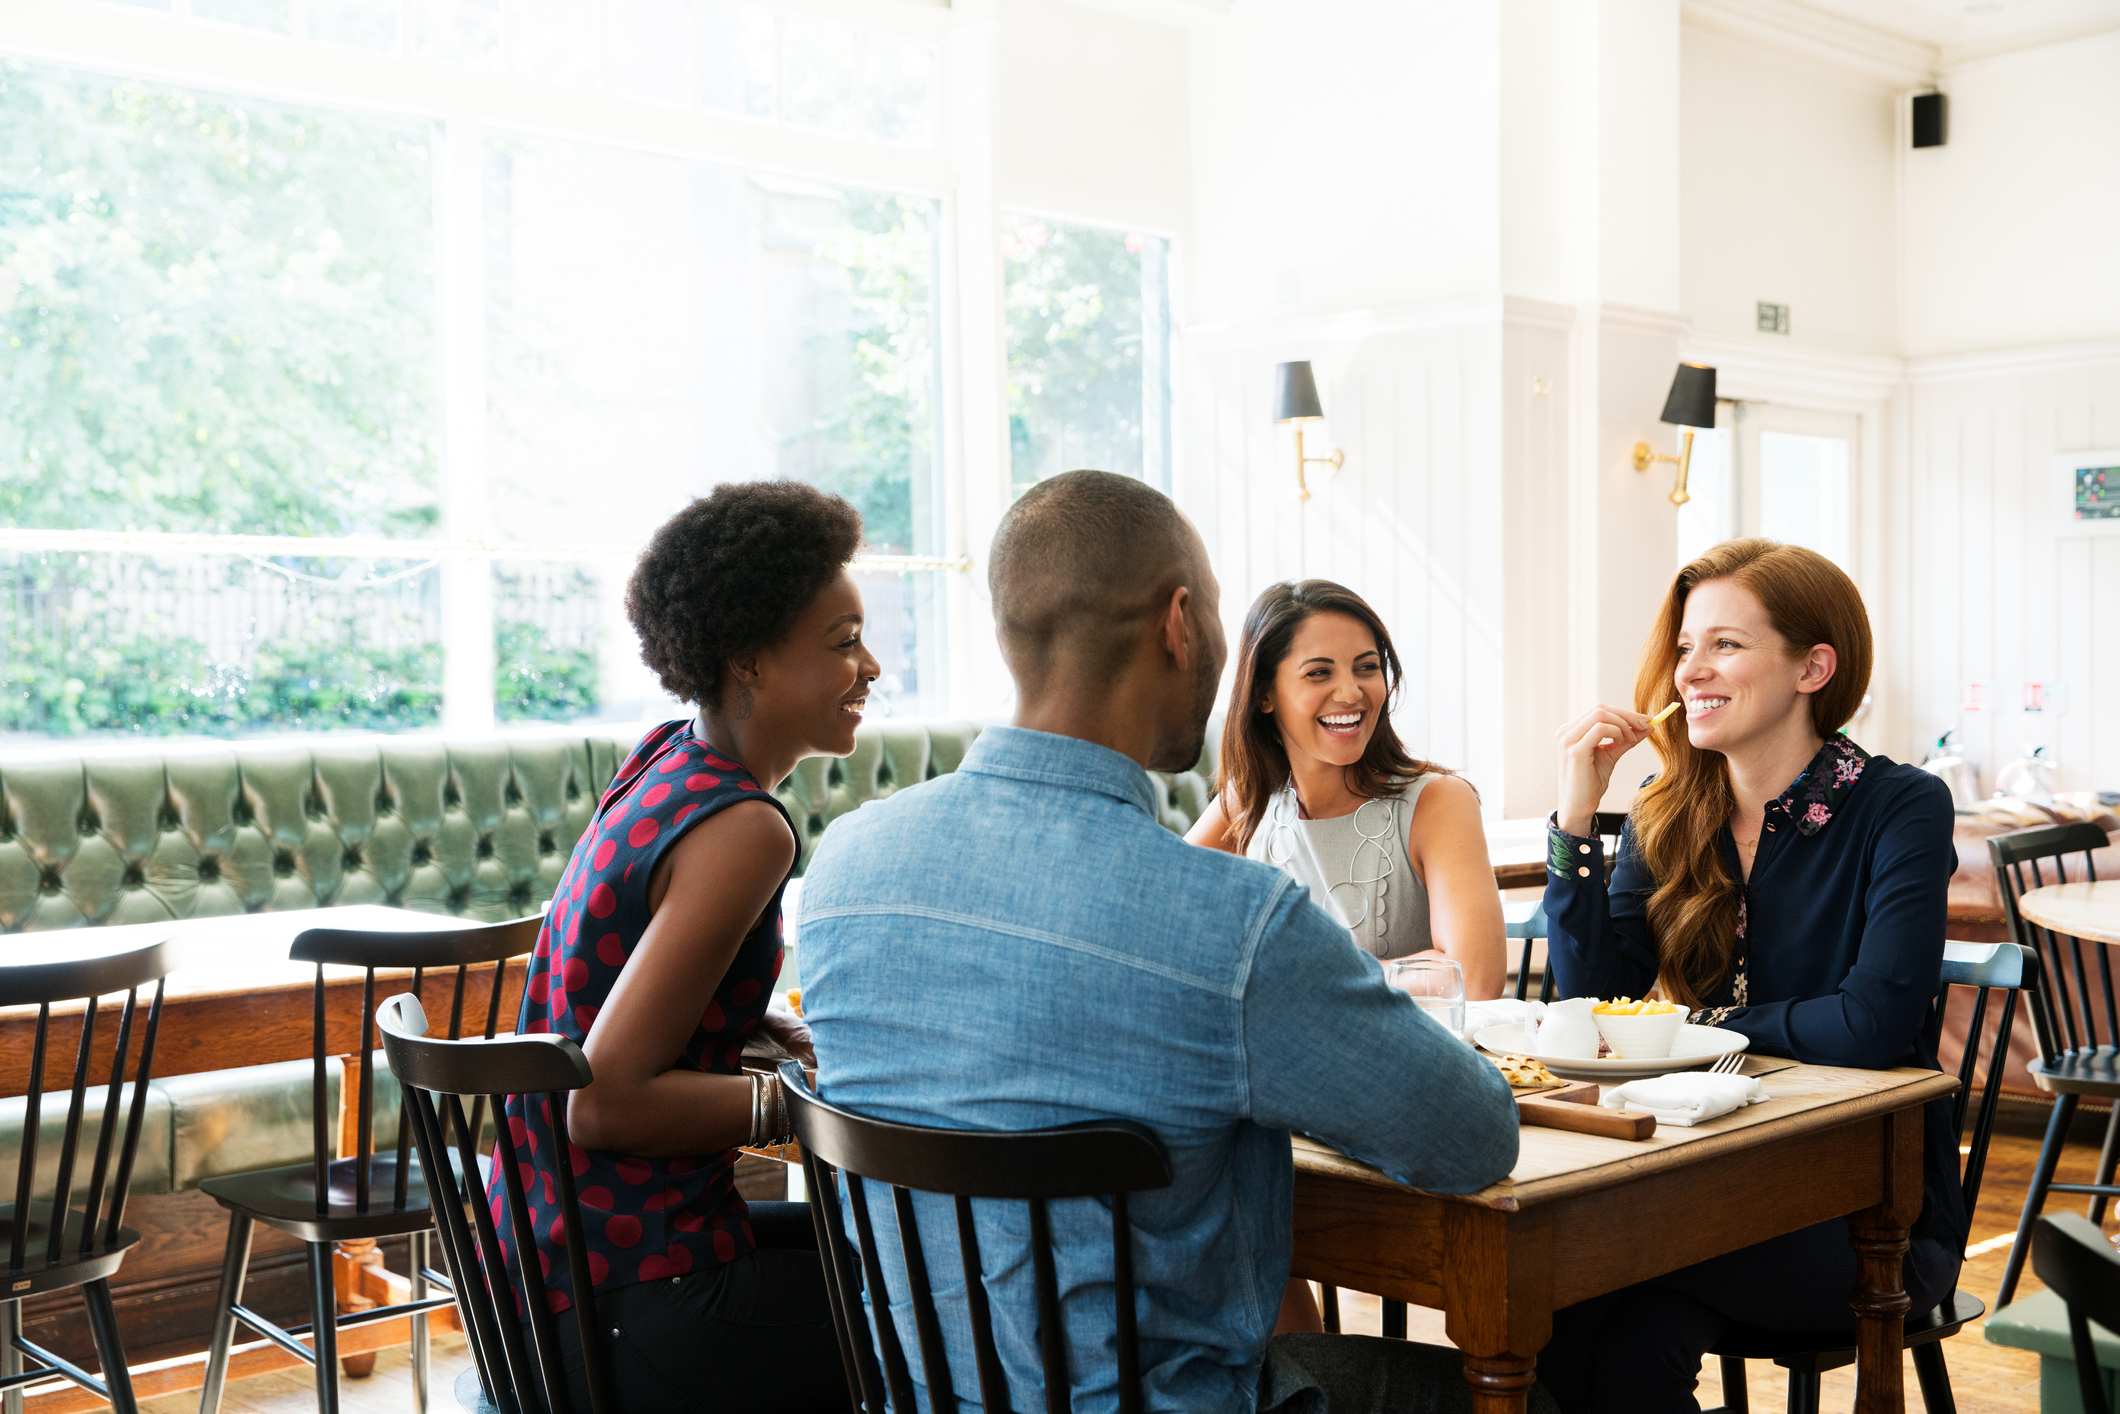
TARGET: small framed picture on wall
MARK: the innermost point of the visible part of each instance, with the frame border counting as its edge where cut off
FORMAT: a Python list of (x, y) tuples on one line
[(2089, 486)]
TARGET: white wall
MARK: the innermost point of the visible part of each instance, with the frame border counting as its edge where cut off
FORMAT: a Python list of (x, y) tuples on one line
[(1345, 155), (1785, 194), (2011, 225), (1091, 117), (1638, 162), (1999, 586), (1413, 524)]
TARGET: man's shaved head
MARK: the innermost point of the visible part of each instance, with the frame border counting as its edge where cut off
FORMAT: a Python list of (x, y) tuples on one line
[(1079, 566), (1099, 583)]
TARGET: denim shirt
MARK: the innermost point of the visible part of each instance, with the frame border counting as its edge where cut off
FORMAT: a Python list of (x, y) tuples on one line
[(1839, 932), (1018, 945)]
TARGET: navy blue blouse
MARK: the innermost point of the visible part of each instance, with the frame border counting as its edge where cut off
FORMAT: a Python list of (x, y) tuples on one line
[(1840, 932)]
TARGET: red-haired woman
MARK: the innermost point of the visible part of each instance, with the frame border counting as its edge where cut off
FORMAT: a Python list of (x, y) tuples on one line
[(1778, 880)]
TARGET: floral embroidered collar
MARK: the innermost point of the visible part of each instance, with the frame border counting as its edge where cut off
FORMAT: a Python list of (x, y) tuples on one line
[(1815, 795)]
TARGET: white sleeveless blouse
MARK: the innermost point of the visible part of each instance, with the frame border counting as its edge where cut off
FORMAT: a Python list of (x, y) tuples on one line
[(1358, 867)]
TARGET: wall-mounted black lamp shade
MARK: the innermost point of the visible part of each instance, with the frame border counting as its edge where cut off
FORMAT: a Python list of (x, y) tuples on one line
[(1299, 393), (1692, 400)]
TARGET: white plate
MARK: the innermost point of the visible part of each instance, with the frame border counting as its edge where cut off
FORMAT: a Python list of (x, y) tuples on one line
[(1696, 1046)]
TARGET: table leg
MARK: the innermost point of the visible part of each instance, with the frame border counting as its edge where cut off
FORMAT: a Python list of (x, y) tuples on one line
[(1501, 1384), (1880, 1239), (1497, 1302), (1881, 1305)]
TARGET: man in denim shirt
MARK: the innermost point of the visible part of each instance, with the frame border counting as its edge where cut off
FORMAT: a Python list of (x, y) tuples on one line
[(1019, 944)]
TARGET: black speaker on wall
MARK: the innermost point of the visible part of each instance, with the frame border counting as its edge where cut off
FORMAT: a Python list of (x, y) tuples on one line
[(1929, 110)]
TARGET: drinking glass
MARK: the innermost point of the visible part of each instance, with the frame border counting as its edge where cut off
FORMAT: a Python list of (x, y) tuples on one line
[(1437, 986)]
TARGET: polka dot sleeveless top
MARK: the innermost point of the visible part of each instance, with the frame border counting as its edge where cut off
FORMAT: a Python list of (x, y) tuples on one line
[(642, 1217)]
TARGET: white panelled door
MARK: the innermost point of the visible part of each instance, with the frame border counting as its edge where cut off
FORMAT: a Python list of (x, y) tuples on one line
[(1783, 472)]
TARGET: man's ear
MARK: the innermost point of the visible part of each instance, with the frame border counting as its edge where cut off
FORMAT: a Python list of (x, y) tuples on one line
[(1178, 638)]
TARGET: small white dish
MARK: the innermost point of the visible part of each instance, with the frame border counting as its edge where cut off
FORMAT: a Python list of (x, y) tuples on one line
[(1642, 1035), (1693, 1047)]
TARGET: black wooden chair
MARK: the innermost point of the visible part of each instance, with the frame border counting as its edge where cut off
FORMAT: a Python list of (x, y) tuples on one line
[(1986, 968), (2077, 1263), (1106, 1160), (2075, 1017), (1606, 824), (52, 1245), (436, 1077), (362, 1195)]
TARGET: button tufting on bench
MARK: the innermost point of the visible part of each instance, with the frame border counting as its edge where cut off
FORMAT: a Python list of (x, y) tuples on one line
[(89, 823), (485, 846), (547, 842), (209, 868), (49, 881), (422, 852), (282, 862), (353, 857)]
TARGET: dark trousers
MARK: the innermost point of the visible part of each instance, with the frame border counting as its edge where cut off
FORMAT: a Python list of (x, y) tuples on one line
[(1640, 1350), (753, 1334)]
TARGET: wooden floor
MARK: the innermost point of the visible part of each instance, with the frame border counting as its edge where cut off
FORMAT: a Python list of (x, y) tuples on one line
[(1987, 1379)]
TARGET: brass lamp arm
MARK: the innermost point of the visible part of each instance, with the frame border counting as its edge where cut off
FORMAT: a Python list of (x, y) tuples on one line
[(1337, 460), (1645, 457)]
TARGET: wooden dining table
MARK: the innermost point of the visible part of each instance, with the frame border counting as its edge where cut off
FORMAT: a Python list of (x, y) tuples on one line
[(2090, 911), (1581, 1215)]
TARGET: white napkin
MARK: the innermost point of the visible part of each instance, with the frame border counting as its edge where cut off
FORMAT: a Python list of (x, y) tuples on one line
[(1506, 1011), (1685, 1097)]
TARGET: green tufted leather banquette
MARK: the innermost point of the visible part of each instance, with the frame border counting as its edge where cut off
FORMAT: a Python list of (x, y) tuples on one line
[(475, 828)]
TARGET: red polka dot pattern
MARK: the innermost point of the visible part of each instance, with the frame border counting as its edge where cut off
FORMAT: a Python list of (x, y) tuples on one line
[(642, 1219)]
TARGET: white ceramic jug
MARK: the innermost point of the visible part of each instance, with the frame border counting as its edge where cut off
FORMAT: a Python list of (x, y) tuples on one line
[(1569, 1030)]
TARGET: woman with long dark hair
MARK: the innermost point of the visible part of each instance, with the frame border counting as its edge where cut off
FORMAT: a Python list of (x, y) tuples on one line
[(1313, 779), (1776, 879), (659, 954)]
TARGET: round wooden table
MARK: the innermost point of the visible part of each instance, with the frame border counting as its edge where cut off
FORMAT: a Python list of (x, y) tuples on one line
[(2087, 911)]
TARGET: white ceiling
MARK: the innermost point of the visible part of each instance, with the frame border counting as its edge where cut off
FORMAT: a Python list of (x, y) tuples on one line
[(1971, 29)]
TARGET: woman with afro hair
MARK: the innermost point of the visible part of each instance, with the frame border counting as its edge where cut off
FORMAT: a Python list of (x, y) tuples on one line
[(659, 955)]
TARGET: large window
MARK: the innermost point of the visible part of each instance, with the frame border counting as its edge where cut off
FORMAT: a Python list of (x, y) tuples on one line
[(314, 417), (218, 321), (1088, 350), (350, 349), (654, 326)]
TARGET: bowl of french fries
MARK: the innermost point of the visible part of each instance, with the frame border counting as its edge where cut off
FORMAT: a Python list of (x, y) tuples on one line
[(1638, 1029)]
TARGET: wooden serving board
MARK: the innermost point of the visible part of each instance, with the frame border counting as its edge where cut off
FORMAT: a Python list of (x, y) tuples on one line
[(1575, 1107)]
